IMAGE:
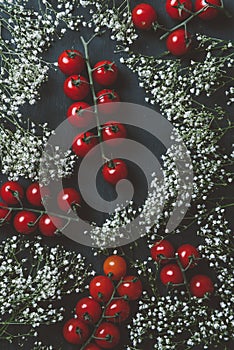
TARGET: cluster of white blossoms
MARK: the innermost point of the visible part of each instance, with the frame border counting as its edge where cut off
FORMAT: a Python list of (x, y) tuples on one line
[(32, 278)]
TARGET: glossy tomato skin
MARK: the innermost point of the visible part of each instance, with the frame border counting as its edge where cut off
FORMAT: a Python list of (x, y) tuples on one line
[(171, 273), (92, 347), (76, 332), (6, 192), (113, 131), (115, 267), (118, 311), (131, 287), (105, 73), (185, 252), (33, 194), (143, 16), (174, 12), (101, 288), (179, 42), (67, 197), (88, 310), (83, 143), (209, 13), (115, 171), (110, 335), (200, 285), (76, 87), (5, 212), (49, 224), (80, 114), (22, 221), (162, 247), (71, 62), (106, 99)]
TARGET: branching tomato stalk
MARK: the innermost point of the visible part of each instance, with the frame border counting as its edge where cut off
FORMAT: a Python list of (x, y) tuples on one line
[(192, 15), (91, 83)]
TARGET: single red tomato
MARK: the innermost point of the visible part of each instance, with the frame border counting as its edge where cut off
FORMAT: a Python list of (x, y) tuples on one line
[(9, 192), (76, 87), (105, 73), (48, 225), (131, 287), (106, 99), (117, 311), (83, 143), (171, 273), (186, 252), (67, 198), (200, 285), (113, 131), (92, 347), (143, 16), (210, 12), (5, 214), (179, 42), (162, 249), (108, 335), (88, 310), (25, 222), (176, 9), (71, 62), (33, 194), (101, 288), (115, 267), (76, 332), (114, 171), (80, 114)]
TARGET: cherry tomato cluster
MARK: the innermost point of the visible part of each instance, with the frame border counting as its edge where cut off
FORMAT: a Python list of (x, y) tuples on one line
[(144, 16), (95, 326), (80, 113), (186, 258), (28, 221)]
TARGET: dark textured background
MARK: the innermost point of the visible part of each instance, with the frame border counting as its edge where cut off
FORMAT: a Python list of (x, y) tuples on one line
[(52, 109)]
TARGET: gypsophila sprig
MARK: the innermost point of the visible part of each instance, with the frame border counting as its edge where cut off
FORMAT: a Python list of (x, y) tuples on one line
[(33, 277)]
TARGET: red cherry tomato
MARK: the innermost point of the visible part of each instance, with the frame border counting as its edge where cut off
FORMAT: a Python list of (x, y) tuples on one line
[(105, 101), (115, 267), (114, 171), (105, 73), (49, 224), (8, 190), (171, 273), (24, 222), (179, 42), (175, 11), (83, 143), (92, 347), (71, 62), (114, 131), (76, 87), (164, 248), (118, 311), (131, 287), (143, 16), (88, 310), (108, 334), (101, 288), (80, 114), (33, 194), (76, 332), (185, 253), (68, 197), (210, 12), (5, 215), (200, 285)]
